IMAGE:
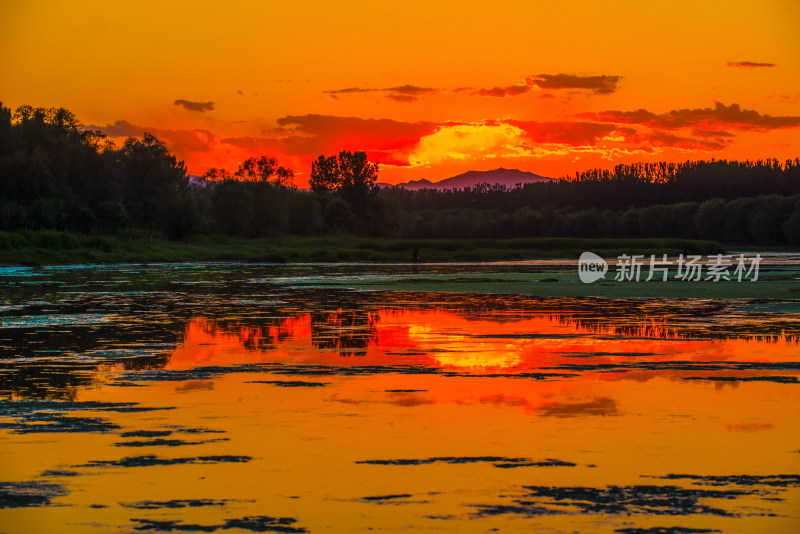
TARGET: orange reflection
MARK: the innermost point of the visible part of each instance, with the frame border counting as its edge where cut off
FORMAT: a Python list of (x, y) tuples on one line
[(518, 386), (449, 340)]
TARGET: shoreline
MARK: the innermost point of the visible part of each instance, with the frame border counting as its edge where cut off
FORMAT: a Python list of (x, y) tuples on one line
[(61, 248)]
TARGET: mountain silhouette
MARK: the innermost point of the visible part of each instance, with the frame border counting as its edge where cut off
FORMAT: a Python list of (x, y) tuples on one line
[(501, 176)]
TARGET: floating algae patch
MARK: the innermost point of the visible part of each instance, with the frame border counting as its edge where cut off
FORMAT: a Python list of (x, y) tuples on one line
[(289, 383), (146, 434), (55, 422), (151, 460), (30, 417), (784, 481), (181, 430), (665, 530), (12, 408), (615, 500), (251, 523), (445, 460), (161, 442), (176, 503), (26, 494), (498, 461), (388, 499), (549, 462), (523, 509), (57, 473)]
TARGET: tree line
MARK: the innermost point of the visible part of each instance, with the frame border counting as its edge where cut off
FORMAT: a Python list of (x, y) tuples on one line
[(55, 174), (624, 186), (763, 220)]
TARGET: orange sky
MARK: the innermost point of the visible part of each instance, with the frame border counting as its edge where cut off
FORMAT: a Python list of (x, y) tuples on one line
[(428, 89)]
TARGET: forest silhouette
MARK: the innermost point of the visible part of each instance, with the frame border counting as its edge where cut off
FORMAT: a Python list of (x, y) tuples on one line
[(57, 175)]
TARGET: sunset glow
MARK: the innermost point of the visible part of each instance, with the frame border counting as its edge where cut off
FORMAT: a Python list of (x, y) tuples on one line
[(429, 91)]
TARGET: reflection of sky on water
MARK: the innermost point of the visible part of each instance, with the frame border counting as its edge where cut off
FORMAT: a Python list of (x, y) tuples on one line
[(227, 408), (509, 342)]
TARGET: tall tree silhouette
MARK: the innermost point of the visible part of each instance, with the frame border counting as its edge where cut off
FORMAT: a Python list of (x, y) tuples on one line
[(358, 177), (351, 175), (324, 175)]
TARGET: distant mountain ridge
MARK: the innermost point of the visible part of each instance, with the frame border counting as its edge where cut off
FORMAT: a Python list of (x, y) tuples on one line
[(501, 176)]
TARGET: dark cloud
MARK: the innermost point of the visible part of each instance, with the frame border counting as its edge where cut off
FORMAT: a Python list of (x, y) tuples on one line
[(401, 93), (511, 90), (195, 106), (413, 90), (596, 84), (750, 64), (601, 85), (348, 90), (720, 116), (408, 93), (604, 84), (400, 97)]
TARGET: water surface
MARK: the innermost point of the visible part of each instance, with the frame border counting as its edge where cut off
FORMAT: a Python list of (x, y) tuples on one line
[(263, 398)]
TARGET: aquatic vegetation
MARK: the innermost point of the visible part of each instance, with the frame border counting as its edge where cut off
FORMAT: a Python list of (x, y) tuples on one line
[(48, 416), (288, 383), (665, 530), (25, 494), (150, 460), (145, 434), (175, 503), (740, 480), (628, 500), (497, 461), (383, 498), (251, 523), (160, 442)]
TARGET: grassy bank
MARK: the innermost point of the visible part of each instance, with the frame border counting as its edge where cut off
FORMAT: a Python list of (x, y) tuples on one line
[(50, 248)]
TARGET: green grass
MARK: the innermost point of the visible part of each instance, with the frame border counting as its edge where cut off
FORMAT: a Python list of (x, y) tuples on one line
[(50, 248)]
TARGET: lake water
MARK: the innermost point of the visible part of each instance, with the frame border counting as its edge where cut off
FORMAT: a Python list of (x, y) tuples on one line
[(264, 398)]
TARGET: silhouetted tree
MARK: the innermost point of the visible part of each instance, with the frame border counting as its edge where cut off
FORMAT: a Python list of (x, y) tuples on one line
[(325, 176), (350, 175), (358, 177), (266, 170), (55, 174)]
